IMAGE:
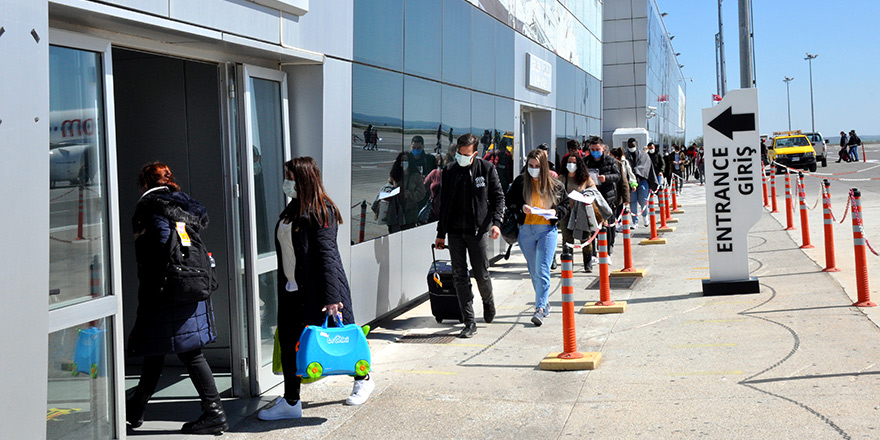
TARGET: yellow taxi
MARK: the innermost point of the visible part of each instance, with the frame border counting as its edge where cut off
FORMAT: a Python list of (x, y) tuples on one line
[(792, 149)]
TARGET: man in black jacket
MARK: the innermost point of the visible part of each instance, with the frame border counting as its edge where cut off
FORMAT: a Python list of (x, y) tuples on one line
[(471, 207), (605, 169)]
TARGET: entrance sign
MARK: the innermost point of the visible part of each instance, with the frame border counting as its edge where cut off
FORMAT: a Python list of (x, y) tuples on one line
[(539, 74), (733, 190)]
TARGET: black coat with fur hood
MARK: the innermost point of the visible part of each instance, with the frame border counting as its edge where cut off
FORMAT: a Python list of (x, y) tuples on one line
[(162, 326)]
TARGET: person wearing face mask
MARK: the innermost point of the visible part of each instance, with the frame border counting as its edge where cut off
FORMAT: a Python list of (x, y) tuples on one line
[(646, 179), (311, 280), (537, 188), (424, 163), (576, 178), (607, 173), (471, 208), (656, 161), (675, 161)]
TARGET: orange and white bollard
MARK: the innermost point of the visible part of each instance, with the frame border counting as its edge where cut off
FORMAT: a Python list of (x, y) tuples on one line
[(79, 219), (628, 270), (789, 206), (570, 358), (676, 209), (860, 252), (605, 304), (665, 216), (654, 238), (764, 183), (667, 206), (805, 222), (830, 263), (774, 208)]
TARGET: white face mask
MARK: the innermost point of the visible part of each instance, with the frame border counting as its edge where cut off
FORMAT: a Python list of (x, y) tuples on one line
[(534, 172), (571, 167), (631, 149), (289, 188), (463, 160), (404, 165), (651, 150)]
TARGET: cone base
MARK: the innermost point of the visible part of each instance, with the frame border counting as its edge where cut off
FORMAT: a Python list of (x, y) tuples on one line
[(790, 229), (666, 229), (865, 304), (678, 211), (671, 220), (831, 269), (775, 211), (632, 273), (807, 246), (593, 309), (589, 361), (653, 241)]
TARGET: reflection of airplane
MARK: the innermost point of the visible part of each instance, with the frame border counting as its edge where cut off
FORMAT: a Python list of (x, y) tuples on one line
[(72, 126), (71, 141), (70, 163)]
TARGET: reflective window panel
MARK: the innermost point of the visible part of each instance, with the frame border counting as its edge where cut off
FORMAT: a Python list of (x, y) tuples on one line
[(455, 115), (503, 139), (457, 42), (80, 402), (376, 143), (268, 149), (78, 215), (483, 120), (268, 286), (378, 32), (504, 60), (423, 38), (483, 52)]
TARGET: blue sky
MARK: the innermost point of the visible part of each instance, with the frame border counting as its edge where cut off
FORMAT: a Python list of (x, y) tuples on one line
[(845, 75)]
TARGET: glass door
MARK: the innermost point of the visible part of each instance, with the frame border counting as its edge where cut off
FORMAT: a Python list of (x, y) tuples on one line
[(263, 151)]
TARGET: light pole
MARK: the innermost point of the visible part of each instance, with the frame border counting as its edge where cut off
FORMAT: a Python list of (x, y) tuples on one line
[(809, 59), (788, 95)]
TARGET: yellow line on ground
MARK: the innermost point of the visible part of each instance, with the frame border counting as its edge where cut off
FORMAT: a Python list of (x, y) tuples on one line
[(714, 321), (702, 345), (442, 373), (699, 278), (706, 373), (704, 238), (703, 251), (700, 268), (702, 258)]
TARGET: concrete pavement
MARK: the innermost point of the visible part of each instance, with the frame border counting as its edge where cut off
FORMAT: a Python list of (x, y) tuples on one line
[(793, 361)]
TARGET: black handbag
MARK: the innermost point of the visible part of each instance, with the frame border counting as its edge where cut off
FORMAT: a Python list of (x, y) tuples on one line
[(509, 227)]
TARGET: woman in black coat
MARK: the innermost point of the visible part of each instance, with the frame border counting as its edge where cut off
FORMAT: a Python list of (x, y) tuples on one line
[(162, 326), (311, 282)]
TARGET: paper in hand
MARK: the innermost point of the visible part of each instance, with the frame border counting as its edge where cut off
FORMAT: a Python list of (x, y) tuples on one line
[(385, 195), (548, 214), (578, 197)]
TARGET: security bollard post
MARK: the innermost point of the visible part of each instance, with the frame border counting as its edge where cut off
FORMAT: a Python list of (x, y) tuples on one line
[(675, 207), (805, 222), (789, 208), (605, 304), (830, 263), (670, 193), (363, 221), (570, 358), (664, 212), (860, 252), (773, 190), (764, 183), (628, 270), (79, 219), (654, 238)]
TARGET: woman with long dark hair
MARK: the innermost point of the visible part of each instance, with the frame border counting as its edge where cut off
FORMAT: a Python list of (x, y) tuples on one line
[(311, 282), (537, 188), (163, 326)]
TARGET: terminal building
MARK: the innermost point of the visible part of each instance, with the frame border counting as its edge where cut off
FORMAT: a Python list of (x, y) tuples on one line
[(224, 91), (643, 86)]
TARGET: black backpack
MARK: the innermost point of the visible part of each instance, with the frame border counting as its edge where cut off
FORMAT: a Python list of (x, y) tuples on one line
[(189, 276)]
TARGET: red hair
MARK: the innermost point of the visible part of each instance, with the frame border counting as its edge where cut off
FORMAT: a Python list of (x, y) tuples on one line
[(157, 174)]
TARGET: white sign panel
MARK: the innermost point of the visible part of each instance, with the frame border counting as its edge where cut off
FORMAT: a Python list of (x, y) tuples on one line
[(733, 182), (539, 74)]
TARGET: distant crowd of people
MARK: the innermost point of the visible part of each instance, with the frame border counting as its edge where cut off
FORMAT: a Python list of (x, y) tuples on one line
[(849, 147)]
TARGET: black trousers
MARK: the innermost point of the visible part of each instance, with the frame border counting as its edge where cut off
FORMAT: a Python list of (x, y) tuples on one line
[(290, 327), (462, 246), (197, 367)]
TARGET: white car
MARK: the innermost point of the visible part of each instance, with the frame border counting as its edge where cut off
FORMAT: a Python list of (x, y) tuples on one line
[(820, 146)]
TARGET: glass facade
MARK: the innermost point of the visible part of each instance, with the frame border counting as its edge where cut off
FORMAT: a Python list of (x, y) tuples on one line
[(78, 215), (664, 85), (443, 68)]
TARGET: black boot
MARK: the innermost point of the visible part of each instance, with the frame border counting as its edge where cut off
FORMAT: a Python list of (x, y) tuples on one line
[(212, 421), (134, 411)]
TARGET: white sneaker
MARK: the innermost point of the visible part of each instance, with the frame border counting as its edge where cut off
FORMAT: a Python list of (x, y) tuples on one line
[(646, 222), (634, 226), (609, 260), (281, 410), (594, 261), (361, 391)]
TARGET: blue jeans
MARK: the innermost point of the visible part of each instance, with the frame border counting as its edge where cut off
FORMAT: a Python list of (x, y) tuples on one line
[(638, 198), (854, 152), (538, 244)]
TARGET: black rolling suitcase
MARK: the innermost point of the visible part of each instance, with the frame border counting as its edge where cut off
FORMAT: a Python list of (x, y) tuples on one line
[(441, 290)]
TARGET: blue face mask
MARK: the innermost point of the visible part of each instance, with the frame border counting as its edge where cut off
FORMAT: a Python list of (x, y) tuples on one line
[(417, 152), (596, 154)]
